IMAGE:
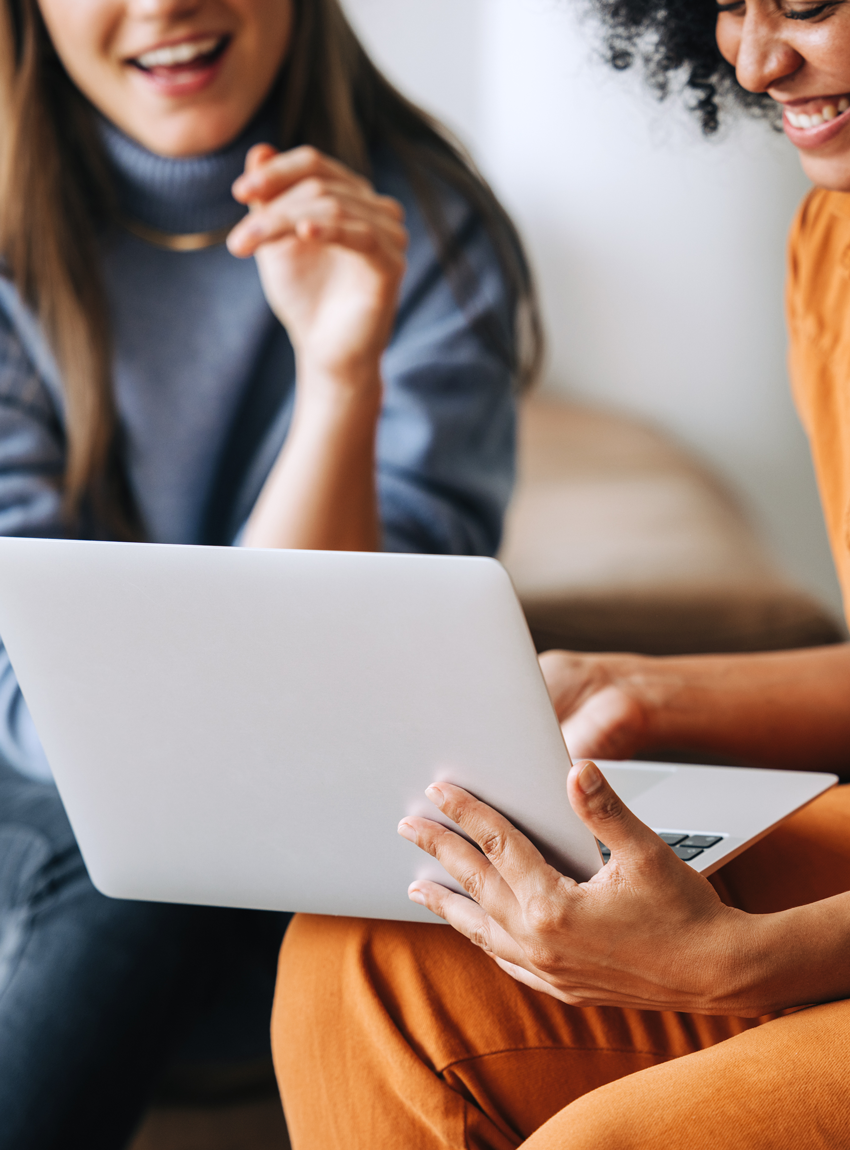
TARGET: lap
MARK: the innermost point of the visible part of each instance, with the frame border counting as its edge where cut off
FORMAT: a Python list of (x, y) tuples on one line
[(95, 993), (368, 1014), (776, 1087)]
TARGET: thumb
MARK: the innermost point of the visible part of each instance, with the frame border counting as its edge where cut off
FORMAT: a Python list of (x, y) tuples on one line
[(604, 813)]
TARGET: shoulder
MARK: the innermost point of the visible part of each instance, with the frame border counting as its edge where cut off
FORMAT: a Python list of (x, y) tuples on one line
[(820, 231), (818, 302), (392, 178), (819, 258), (452, 255)]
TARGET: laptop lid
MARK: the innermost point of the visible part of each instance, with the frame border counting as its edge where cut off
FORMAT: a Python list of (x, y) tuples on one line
[(246, 727)]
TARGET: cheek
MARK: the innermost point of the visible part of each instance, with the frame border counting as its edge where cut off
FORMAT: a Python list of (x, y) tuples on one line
[(81, 32), (728, 34), (270, 24)]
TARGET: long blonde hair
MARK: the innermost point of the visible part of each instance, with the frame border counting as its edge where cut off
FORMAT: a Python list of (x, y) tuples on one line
[(56, 200)]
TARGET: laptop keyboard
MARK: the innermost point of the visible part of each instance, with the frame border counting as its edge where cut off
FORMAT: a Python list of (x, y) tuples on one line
[(685, 846)]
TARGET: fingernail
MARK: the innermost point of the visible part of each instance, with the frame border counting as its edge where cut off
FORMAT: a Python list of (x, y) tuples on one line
[(435, 794), (406, 831), (589, 779), (416, 895)]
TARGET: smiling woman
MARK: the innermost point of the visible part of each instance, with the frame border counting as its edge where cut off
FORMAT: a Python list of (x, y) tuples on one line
[(647, 1007), (249, 296), (182, 89)]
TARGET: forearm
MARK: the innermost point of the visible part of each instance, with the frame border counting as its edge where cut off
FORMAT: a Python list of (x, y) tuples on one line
[(785, 709), (321, 493), (797, 957)]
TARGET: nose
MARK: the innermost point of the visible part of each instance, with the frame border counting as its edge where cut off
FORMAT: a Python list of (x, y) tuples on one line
[(762, 55)]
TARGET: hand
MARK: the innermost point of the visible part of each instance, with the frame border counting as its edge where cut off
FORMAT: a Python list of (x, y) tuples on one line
[(331, 257), (646, 931), (600, 702)]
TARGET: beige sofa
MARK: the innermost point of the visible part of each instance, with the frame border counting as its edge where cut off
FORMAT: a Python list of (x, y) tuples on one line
[(617, 539)]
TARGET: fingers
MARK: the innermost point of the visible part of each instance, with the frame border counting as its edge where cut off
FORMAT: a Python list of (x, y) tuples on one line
[(478, 877), (308, 210), (608, 817), (528, 978), (469, 919), (324, 213), (255, 161), (269, 173), (514, 857)]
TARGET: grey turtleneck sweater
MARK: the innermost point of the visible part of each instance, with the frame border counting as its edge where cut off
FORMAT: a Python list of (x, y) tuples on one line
[(204, 379)]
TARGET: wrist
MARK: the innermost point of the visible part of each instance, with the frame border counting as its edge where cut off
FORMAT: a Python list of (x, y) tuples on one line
[(671, 694), (740, 964), (333, 396)]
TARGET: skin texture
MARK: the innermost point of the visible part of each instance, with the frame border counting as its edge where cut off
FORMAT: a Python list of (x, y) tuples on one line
[(329, 250), (647, 931), (779, 710), (799, 54)]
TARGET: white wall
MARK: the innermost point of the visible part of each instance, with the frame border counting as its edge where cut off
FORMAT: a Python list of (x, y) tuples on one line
[(659, 255)]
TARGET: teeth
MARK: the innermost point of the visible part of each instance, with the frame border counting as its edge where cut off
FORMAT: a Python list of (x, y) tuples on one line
[(178, 53), (815, 119)]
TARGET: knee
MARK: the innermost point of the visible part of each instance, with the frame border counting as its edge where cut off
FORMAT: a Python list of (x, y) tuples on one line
[(25, 858)]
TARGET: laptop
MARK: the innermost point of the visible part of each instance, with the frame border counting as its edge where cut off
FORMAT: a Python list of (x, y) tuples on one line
[(245, 728)]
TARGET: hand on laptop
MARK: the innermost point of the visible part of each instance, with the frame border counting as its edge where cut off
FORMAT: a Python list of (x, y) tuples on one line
[(598, 701), (646, 931), (771, 709)]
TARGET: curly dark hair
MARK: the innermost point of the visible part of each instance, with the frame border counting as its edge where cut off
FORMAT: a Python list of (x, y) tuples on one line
[(675, 43)]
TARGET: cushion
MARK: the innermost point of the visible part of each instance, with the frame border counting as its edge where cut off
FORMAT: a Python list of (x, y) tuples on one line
[(618, 539)]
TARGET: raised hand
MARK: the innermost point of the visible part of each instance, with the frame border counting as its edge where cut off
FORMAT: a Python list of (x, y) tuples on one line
[(331, 257)]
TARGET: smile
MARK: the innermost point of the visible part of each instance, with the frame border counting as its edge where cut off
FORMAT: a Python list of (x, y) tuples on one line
[(188, 56), (819, 115)]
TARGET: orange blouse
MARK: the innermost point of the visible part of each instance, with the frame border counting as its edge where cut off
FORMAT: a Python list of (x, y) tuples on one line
[(818, 303)]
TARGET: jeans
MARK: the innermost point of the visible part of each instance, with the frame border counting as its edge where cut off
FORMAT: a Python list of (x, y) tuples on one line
[(95, 993)]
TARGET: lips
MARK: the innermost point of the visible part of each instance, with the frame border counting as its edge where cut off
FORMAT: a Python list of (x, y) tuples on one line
[(813, 123), (184, 66)]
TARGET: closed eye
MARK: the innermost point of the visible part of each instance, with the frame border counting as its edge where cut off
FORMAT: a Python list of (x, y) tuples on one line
[(808, 13)]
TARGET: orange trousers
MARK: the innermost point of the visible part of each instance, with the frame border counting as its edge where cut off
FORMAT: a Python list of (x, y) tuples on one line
[(394, 1035)]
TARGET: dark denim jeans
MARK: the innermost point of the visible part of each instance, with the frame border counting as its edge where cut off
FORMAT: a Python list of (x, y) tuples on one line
[(95, 993)]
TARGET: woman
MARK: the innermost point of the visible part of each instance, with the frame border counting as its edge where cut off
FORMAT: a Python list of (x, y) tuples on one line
[(350, 386), (641, 1009)]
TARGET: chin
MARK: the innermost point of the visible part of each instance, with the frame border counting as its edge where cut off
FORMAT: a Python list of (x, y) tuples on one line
[(832, 174), (187, 135)]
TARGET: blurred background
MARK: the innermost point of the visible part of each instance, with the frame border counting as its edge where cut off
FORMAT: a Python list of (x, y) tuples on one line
[(659, 254)]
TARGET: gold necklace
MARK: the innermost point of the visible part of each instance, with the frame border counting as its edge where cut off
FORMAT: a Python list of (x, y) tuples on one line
[(177, 241)]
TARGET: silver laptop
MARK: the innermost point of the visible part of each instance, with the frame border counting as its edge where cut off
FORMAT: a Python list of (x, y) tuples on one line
[(245, 728)]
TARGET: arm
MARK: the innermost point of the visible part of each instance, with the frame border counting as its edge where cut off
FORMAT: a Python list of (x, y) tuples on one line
[(446, 442), (330, 252), (645, 932), (32, 461), (443, 463), (789, 709)]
